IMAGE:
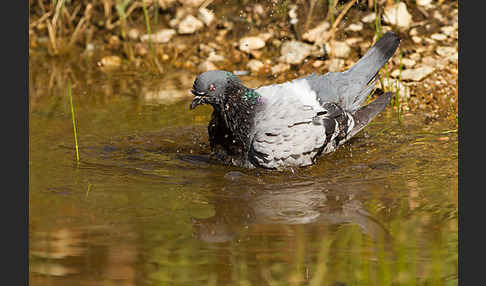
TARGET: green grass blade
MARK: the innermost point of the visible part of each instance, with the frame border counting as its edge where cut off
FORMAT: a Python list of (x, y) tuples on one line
[(74, 120)]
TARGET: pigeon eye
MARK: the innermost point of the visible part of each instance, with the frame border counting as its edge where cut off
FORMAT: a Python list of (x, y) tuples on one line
[(211, 87)]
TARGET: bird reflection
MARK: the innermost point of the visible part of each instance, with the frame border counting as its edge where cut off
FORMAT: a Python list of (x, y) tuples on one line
[(243, 203)]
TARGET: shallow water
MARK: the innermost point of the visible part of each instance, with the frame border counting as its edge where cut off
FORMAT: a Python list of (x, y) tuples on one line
[(145, 206)]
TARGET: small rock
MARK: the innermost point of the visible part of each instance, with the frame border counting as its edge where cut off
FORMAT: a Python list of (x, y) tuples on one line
[(423, 2), (339, 49), (433, 62), (166, 4), (251, 43), (140, 49), (114, 42), (110, 62), (439, 37), (213, 57), (449, 31), (189, 25), (355, 27), (353, 41), (293, 14), (316, 34), (206, 15), (162, 36), (258, 9), (133, 34), (335, 65), (317, 64), (417, 74), (206, 66), (279, 68), (255, 65), (191, 3), (265, 36), (408, 63), (398, 15), (416, 39), (369, 18), (415, 56), (449, 53), (413, 32), (294, 52), (439, 16)]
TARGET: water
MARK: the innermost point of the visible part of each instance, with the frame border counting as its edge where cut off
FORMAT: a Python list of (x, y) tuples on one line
[(145, 206)]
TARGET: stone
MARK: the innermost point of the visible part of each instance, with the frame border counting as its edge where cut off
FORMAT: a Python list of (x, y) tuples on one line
[(110, 62), (279, 68), (423, 2), (189, 25), (255, 65), (206, 16), (191, 3), (369, 18), (339, 49), (355, 27), (416, 39), (133, 34), (166, 4), (398, 15), (438, 37), (353, 41), (206, 66), (294, 52), (417, 74), (316, 35), (449, 53), (335, 65), (162, 36), (213, 57), (247, 44)]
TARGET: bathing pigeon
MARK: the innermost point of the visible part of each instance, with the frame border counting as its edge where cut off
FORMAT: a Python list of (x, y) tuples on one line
[(292, 123)]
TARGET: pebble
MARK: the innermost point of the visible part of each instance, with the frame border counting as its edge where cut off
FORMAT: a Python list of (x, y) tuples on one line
[(339, 49), (315, 35), (294, 52), (449, 53), (439, 37), (251, 43), (406, 62), (398, 15), (206, 66), (369, 18), (206, 16), (189, 25), (110, 62), (423, 2), (416, 39), (133, 34), (166, 4), (335, 65), (417, 74), (191, 3), (213, 57), (162, 36), (355, 27), (353, 41), (279, 68), (255, 65)]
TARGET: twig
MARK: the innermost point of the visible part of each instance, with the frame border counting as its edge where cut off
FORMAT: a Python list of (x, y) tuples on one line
[(81, 25), (309, 16), (338, 20)]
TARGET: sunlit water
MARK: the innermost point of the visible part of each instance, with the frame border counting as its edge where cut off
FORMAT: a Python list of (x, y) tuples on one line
[(145, 206)]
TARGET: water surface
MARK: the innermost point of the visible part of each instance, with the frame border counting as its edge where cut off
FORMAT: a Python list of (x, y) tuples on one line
[(145, 206)]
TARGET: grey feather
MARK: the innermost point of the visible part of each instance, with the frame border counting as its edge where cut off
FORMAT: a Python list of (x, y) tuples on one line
[(351, 88)]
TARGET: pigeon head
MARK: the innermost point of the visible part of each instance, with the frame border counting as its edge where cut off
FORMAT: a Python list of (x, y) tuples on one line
[(209, 87)]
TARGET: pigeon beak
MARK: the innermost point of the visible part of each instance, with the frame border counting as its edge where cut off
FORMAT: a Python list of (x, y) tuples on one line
[(198, 99)]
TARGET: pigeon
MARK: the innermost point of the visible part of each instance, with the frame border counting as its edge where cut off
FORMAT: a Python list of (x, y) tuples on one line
[(293, 123)]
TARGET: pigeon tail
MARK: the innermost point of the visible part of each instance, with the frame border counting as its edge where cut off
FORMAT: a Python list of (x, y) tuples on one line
[(350, 88), (366, 69), (366, 113)]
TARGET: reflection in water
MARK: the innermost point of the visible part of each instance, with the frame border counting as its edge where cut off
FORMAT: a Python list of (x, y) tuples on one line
[(240, 205)]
